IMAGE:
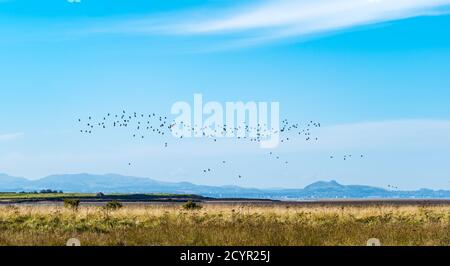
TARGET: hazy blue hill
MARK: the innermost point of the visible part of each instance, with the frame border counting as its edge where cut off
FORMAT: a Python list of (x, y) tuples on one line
[(96, 183), (324, 186), (11, 183), (113, 183)]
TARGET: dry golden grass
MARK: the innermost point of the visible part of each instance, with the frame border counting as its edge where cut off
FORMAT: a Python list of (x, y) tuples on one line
[(226, 225)]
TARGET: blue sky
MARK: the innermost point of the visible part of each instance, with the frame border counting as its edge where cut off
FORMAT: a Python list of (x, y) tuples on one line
[(375, 73)]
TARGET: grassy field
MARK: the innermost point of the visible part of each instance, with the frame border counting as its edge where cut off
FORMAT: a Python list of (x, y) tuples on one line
[(40, 195), (6, 197), (225, 225)]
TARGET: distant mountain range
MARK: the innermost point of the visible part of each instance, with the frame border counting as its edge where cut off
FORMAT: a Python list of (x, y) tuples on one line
[(112, 183)]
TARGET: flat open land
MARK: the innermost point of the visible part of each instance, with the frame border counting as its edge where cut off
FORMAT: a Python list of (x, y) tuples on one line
[(86, 199), (225, 223)]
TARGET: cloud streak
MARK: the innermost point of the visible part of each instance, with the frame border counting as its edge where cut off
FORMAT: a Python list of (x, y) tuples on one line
[(277, 19)]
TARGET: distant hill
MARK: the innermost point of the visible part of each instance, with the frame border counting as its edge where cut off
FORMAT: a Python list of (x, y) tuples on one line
[(12, 183), (113, 183)]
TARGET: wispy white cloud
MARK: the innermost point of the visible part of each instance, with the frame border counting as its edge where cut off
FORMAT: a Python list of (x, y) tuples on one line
[(274, 19), (10, 136)]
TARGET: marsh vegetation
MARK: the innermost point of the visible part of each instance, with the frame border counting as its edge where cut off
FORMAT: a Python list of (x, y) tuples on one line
[(225, 225)]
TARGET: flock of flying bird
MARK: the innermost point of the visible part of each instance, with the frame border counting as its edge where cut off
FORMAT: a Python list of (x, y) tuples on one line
[(144, 125), (347, 157)]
